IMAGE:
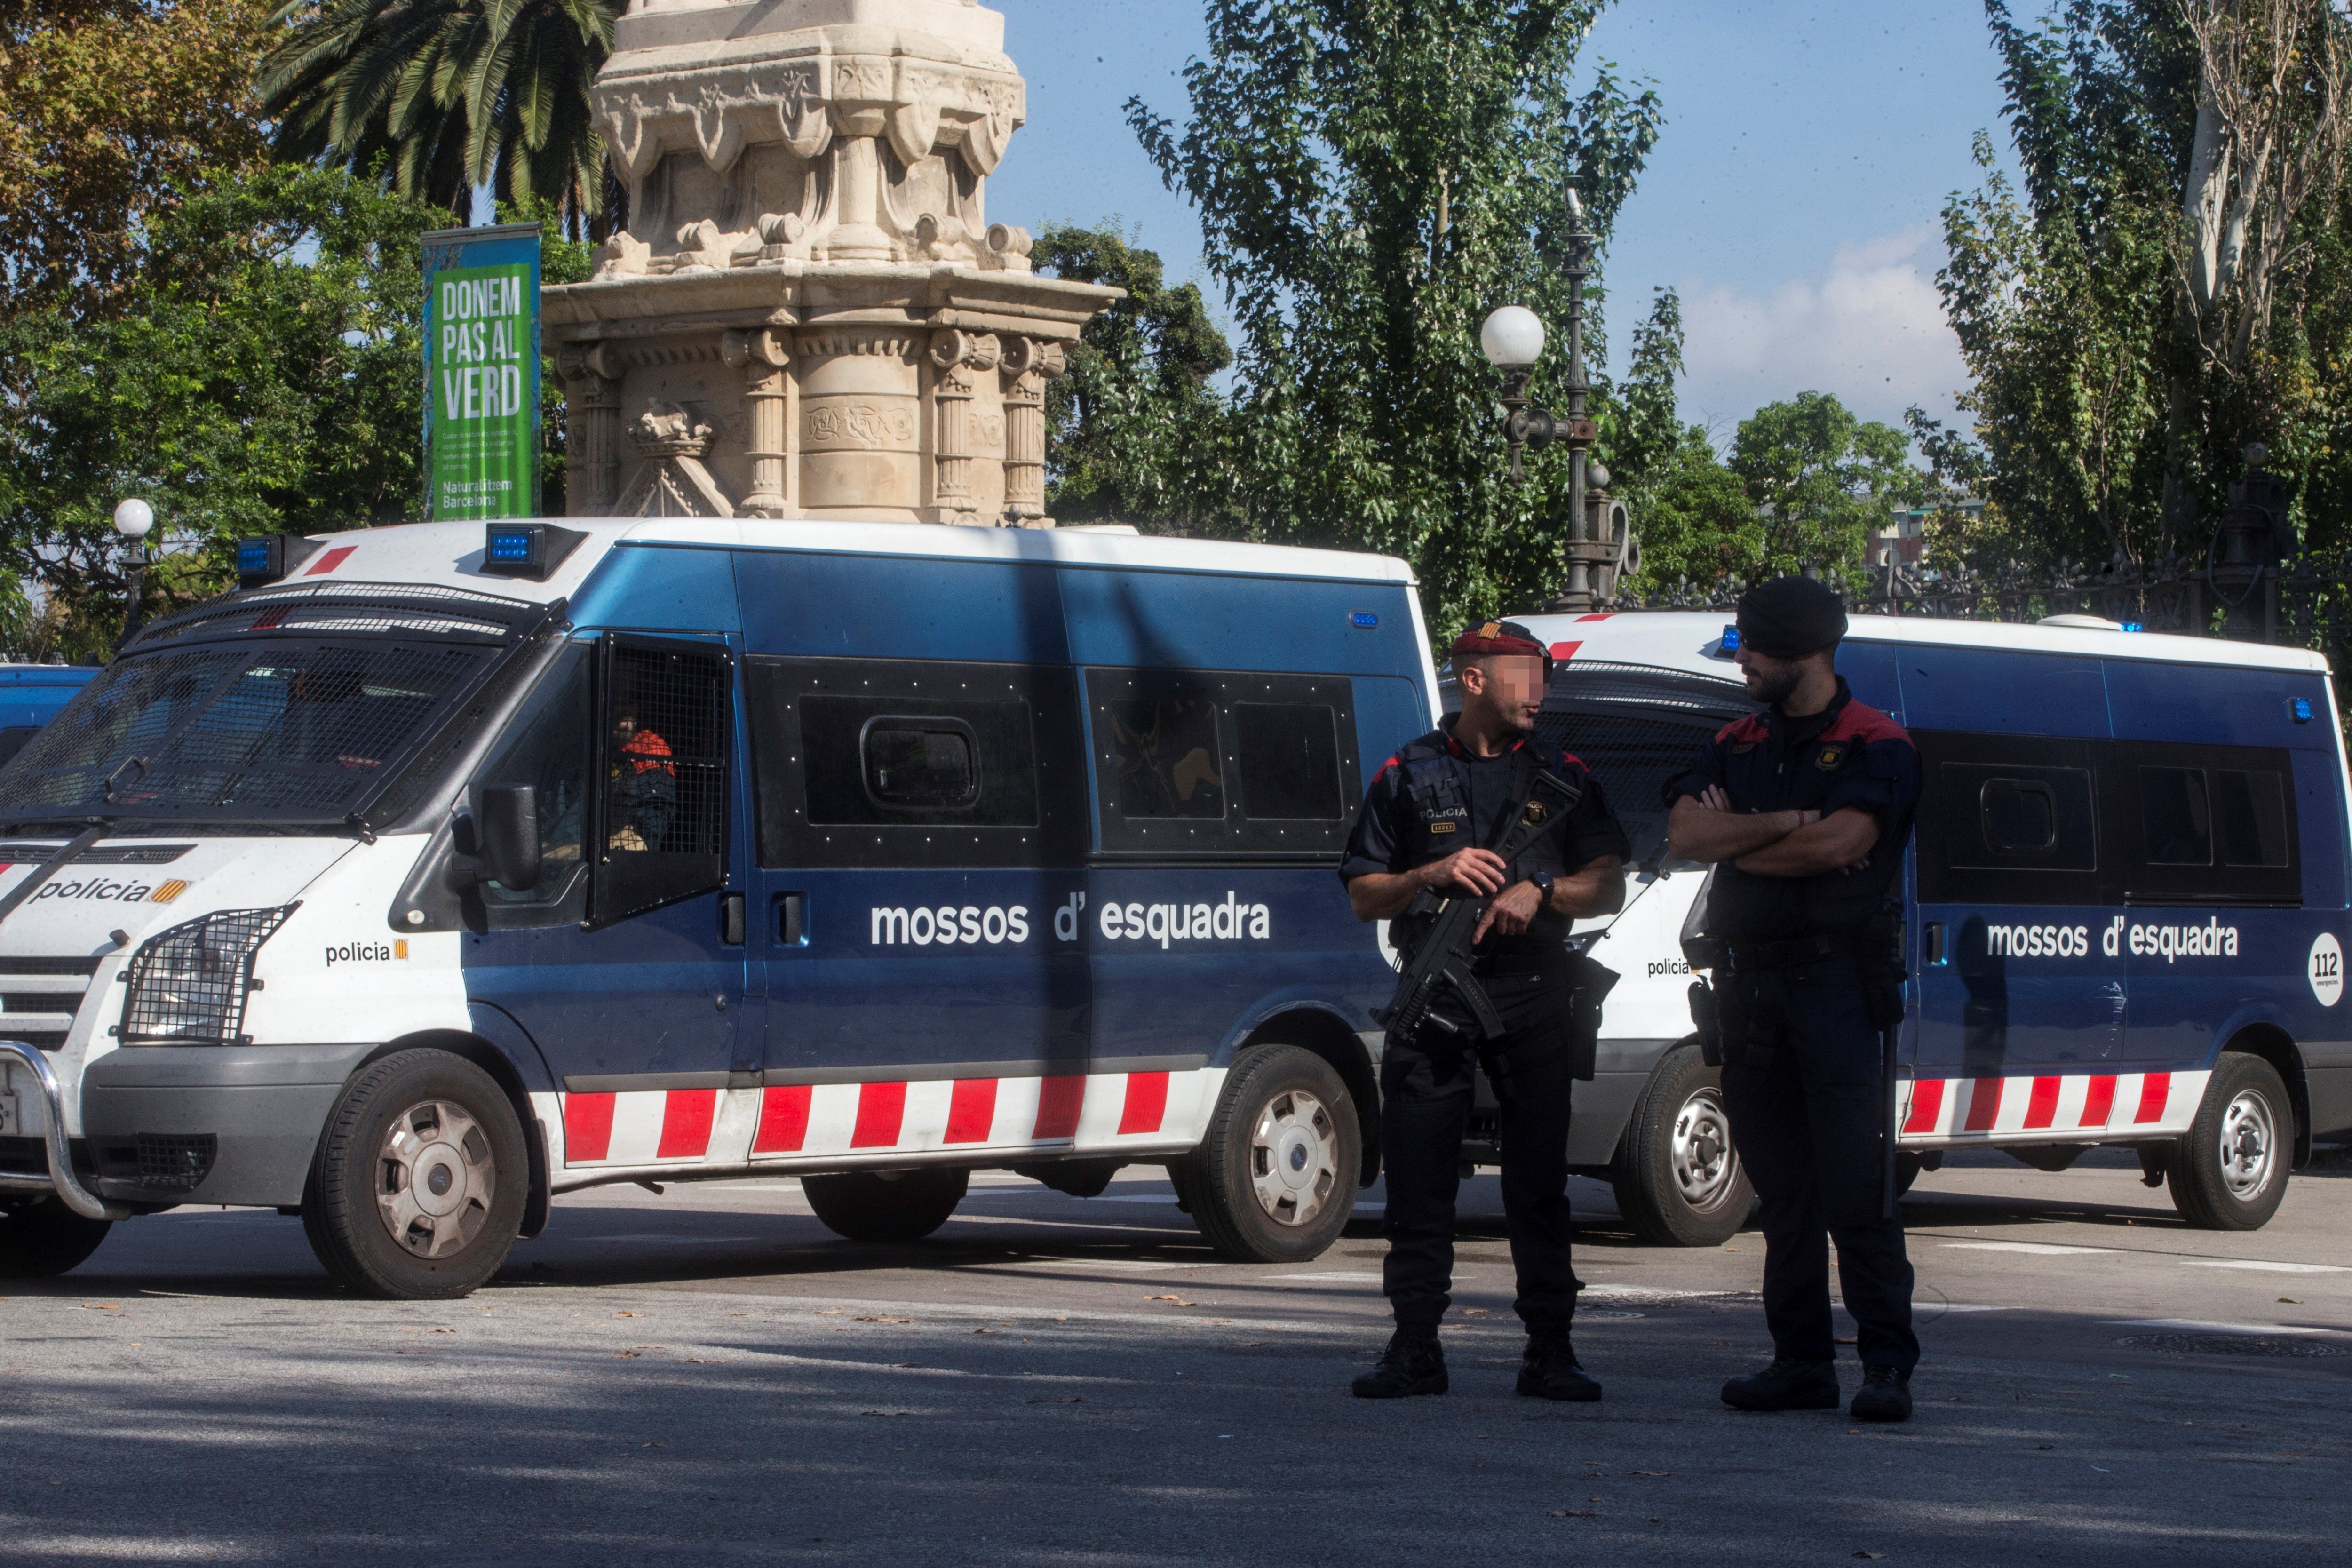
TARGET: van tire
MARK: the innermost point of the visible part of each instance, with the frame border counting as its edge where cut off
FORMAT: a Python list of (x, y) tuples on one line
[(1282, 1109), (2229, 1171), (44, 1238), (886, 1206), (1677, 1179), (419, 1186)]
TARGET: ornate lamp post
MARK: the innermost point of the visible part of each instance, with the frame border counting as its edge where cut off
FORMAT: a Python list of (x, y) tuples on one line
[(1512, 340), (132, 519)]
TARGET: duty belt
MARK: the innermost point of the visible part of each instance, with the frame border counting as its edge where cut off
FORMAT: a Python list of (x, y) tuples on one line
[(1747, 957)]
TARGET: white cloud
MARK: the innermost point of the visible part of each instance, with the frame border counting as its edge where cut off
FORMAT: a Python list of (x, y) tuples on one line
[(1868, 328)]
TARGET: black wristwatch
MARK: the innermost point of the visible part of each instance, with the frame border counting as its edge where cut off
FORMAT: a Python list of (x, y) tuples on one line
[(1542, 880)]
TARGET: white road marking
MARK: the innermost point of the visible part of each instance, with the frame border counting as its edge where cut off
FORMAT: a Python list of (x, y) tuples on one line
[(2264, 1267), (2036, 1248), (2193, 1326)]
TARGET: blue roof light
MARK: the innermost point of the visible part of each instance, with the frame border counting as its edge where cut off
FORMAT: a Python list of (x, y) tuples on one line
[(2130, 627), (2301, 707)]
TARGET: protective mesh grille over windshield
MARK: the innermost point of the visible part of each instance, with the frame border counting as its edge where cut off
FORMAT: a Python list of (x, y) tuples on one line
[(292, 729), (1637, 728)]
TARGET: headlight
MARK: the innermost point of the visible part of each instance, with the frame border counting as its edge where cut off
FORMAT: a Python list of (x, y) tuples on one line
[(188, 983)]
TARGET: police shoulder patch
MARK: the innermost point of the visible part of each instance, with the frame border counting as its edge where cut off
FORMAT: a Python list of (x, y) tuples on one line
[(1830, 758)]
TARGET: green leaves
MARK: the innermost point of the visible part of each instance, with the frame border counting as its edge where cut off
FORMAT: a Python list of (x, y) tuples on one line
[(1373, 176)]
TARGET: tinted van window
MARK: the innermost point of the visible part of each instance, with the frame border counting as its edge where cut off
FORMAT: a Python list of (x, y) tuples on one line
[(898, 759), (1289, 755), (2011, 814), (2204, 824)]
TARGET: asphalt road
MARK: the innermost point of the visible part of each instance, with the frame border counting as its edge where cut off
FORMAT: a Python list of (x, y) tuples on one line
[(708, 1376)]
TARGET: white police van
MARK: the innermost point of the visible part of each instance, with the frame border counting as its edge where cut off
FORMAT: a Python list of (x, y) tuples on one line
[(439, 869), (2125, 903)]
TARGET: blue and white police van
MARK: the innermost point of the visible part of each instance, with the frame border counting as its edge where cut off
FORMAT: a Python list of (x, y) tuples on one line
[(2125, 903), (439, 869)]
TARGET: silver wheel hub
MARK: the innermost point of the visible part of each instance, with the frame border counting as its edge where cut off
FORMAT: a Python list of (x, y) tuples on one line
[(2249, 1142), (1295, 1158), (435, 1179), (1704, 1162)]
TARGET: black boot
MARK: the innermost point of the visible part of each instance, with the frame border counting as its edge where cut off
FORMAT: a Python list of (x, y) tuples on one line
[(1786, 1385), (1414, 1364), (1549, 1369), (1884, 1395)]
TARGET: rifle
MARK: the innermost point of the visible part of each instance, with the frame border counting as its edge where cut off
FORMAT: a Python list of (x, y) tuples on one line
[(1441, 958)]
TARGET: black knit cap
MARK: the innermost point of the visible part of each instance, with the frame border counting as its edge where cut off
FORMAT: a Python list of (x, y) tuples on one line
[(1788, 617)]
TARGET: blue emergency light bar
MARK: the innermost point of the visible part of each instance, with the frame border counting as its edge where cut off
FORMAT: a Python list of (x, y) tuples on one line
[(532, 549), (1730, 644), (270, 557), (1362, 620), (2301, 708)]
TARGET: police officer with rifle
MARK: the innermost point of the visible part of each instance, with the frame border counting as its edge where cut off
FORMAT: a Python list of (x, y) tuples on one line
[(1803, 810), (1483, 846)]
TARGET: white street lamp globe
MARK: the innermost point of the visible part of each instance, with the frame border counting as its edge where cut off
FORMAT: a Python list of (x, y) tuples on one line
[(133, 518), (1513, 338)]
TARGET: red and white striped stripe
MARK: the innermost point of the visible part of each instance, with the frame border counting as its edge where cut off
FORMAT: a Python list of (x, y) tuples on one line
[(805, 1124), (1941, 1111)]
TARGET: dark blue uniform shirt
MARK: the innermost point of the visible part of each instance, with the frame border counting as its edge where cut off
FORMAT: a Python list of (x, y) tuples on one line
[(1849, 755), (1434, 797)]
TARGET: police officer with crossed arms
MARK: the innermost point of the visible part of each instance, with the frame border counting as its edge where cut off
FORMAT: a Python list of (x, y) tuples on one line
[(1803, 810), (1431, 819)]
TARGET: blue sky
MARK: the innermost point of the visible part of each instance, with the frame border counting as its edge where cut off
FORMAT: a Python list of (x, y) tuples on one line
[(1793, 200)]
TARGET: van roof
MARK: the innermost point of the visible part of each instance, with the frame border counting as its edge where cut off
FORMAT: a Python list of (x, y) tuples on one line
[(449, 554), (1688, 641)]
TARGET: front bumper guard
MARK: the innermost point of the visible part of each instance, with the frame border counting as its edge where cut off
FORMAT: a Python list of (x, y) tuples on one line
[(61, 1179)]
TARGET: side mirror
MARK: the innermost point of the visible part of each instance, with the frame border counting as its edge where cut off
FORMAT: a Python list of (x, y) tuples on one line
[(506, 827), (497, 841)]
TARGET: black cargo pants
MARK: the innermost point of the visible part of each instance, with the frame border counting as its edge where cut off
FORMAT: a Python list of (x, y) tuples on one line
[(1802, 1085), (1425, 1094)]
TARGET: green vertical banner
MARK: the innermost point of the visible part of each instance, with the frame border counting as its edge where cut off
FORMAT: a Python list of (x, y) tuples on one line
[(481, 372)]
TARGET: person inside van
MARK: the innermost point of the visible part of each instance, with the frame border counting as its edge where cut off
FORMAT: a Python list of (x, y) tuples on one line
[(644, 783), (1430, 822), (1803, 810)]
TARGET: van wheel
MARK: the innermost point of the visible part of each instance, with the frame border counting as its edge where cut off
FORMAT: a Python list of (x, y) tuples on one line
[(2229, 1171), (419, 1186), (886, 1206), (1275, 1179), (44, 1238), (1677, 1178)]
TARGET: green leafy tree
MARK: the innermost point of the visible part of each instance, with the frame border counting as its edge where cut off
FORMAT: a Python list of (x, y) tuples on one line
[(448, 95), (264, 375), (2170, 282), (1822, 481), (1135, 432), (1372, 177), (1693, 517)]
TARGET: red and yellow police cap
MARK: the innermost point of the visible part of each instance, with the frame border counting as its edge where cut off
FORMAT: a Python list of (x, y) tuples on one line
[(1501, 637)]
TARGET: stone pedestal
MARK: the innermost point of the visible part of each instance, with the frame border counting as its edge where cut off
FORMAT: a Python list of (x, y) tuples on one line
[(809, 313)]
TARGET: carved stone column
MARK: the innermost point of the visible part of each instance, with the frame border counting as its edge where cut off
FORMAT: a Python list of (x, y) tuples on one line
[(1029, 364), (767, 396), (860, 439), (592, 459), (956, 356)]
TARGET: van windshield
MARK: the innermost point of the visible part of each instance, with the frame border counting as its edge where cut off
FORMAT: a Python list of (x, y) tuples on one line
[(292, 730)]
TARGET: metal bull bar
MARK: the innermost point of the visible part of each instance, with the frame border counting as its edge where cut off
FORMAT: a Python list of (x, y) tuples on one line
[(61, 1179)]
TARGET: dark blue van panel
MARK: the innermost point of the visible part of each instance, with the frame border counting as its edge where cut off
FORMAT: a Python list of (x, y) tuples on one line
[(894, 607), (1869, 671), (660, 588), (1389, 710), (1997, 691), (1161, 620), (2214, 704)]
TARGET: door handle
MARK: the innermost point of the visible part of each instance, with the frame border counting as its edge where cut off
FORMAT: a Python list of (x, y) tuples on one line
[(791, 918), (730, 919), (1934, 951)]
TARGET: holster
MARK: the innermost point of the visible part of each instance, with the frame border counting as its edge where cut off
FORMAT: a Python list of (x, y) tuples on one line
[(1589, 982), (1880, 957), (1706, 1020)]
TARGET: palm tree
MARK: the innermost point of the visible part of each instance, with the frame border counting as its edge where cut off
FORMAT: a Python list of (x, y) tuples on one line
[(446, 96)]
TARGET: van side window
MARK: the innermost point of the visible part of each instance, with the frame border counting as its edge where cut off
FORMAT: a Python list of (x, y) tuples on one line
[(663, 773), (1222, 762), (911, 759), (2175, 816), (2204, 824), (915, 763), (549, 753), (1169, 758), (2010, 819), (1289, 755)]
